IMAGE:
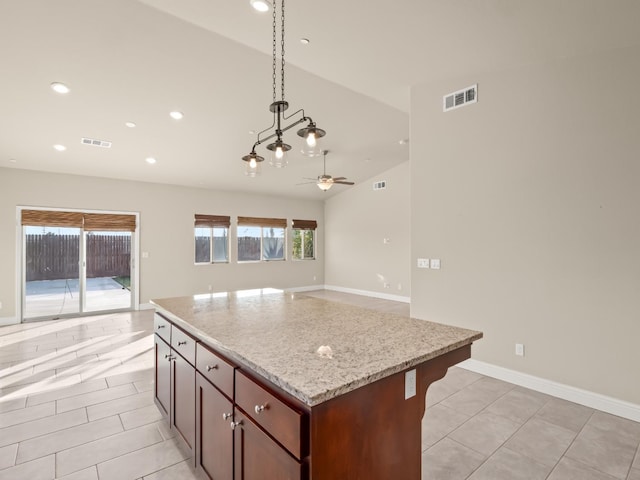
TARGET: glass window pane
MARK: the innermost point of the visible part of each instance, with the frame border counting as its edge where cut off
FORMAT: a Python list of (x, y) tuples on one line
[(220, 244), (273, 243), (297, 244), (309, 244), (248, 244), (203, 244)]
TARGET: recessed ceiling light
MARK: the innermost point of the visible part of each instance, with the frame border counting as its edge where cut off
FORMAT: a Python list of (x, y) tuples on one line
[(176, 115), (404, 141), (60, 87), (13, 160), (252, 132), (60, 148), (130, 124), (260, 5), (305, 41), (150, 160)]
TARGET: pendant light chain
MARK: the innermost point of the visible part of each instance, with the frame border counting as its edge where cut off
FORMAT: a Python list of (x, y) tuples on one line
[(274, 51), (282, 48)]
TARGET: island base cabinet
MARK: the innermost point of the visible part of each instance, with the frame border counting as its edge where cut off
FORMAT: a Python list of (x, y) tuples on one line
[(163, 375), (258, 457), (183, 399), (214, 436)]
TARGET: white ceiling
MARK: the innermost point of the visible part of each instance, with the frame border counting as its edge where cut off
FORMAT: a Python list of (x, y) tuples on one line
[(128, 60)]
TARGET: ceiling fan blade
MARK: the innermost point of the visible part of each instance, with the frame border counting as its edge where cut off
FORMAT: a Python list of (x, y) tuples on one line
[(342, 182), (339, 178)]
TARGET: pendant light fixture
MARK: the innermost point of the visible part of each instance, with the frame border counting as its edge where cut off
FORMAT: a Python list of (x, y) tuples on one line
[(278, 148)]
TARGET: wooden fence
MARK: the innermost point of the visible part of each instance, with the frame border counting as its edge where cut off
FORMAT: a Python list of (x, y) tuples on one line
[(52, 257)]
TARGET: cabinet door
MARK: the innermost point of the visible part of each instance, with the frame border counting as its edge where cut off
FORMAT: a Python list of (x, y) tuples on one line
[(163, 374), (183, 405), (214, 437), (258, 457)]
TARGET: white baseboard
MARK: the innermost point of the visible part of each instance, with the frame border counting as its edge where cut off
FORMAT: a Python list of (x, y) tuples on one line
[(8, 321), (308, 288), (367, 293), (604, 403)]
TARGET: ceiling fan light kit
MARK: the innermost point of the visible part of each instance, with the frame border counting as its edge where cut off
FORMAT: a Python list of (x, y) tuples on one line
[(278, 148)]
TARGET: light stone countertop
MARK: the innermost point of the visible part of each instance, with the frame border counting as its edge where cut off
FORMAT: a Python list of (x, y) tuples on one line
[(277, 334)]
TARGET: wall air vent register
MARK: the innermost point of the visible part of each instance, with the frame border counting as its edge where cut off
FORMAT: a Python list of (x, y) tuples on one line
[(460, 98)]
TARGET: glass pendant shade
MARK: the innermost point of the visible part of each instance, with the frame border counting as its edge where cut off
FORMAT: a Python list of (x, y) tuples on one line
[(324, 186), (279, 151), (253, 164), (310, 143)]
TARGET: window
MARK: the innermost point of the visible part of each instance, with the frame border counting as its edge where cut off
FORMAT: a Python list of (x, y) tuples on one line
[(261, 239), (211, 238), (304, 232)]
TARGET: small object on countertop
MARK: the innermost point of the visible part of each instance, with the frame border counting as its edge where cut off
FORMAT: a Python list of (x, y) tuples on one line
[(325, 351)]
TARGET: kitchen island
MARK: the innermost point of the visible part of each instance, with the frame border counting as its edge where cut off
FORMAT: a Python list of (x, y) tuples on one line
[(266, 384)]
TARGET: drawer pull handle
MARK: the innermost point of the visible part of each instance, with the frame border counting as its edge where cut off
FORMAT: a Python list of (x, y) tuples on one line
[(260, 408), (226, 416), (161, 326), (182, 343), (170, 357), (211, 367), (167, 355), (235, 424)]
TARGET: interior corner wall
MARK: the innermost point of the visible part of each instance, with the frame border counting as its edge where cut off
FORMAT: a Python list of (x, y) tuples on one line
[(357, 222), (166, 231), (530, 199)]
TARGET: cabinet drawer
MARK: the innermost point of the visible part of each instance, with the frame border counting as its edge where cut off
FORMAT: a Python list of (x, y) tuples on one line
[(183, 344), (162, 327), (215, 369), (281, 421)]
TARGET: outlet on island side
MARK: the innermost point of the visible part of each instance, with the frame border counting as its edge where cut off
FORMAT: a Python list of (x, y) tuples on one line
[(520, 349)]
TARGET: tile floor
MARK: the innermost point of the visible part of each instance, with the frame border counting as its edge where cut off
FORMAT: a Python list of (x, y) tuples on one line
[(76, 402)]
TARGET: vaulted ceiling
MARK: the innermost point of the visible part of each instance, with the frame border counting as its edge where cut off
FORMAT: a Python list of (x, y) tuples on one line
[(135, 61)]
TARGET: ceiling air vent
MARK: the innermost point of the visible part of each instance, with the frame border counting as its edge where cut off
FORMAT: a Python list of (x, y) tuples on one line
[(381, 185), (95, 143), (460, 98)]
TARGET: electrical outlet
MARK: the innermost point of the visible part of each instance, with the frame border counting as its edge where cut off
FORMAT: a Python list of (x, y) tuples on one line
[(145, 254), (210, 288), (399, 286), (423, 263), (520, 349), (387, 285), (0, 305), (410, 384)]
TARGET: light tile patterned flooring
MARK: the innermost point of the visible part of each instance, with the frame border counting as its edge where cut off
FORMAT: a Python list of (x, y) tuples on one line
[(76, 402)]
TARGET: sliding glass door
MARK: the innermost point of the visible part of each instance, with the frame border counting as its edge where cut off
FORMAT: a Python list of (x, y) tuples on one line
[(52, 271), (107, 270), (76, 262)]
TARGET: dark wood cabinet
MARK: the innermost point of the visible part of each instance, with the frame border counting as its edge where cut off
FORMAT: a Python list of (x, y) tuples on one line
[(163, 375), (258, 457), (214, 436), (183, 399), (175, 378)]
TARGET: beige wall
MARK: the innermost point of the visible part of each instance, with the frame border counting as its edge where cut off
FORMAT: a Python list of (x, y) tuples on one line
[(166, 231), (530, 199), (356, 223)]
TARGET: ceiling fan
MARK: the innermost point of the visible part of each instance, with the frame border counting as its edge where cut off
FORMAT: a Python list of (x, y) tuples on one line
[(324, 181)]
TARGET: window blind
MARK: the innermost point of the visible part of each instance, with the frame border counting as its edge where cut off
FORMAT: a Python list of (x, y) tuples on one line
[(46, 218), (109, 222), (304, 224), (212, 220), (263, 222), (88, 221)]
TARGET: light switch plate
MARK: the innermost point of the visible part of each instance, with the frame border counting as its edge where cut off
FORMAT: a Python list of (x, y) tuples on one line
[(435, 263), (410, 384), (423, 263)]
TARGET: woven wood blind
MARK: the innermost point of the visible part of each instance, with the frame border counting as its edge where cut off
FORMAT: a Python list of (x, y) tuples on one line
[(263, 222), (212, 220), (109, 222), (88, 221), (46, 218), (305, 224)]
